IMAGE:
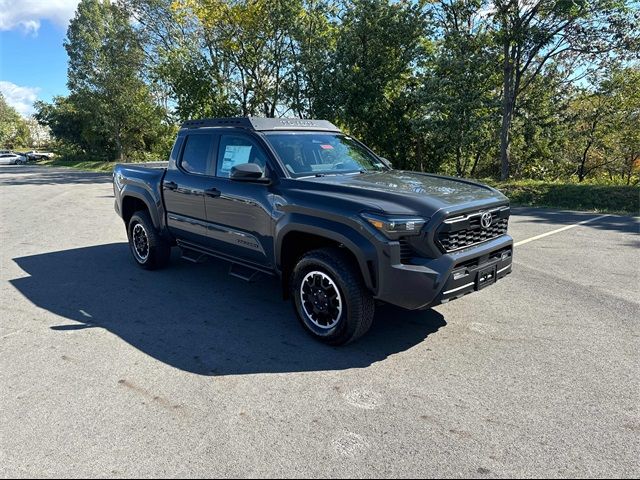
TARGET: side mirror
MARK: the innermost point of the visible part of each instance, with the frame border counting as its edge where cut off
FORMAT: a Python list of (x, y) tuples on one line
[(247, 172)]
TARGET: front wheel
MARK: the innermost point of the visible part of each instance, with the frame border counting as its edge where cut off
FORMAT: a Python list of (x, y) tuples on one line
[(330, 297), (149, 249)]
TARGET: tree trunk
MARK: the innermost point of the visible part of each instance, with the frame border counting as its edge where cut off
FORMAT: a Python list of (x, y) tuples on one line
[(507, 114), (505, 140), (119, 149), (475, 164), (630, 164), (419, 154), (582, 170)]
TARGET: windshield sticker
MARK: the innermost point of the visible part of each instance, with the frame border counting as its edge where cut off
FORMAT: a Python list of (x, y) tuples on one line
[(326, 147)]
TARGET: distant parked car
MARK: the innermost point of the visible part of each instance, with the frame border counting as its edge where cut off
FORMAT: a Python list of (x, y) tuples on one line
[(34, 155), (12, 159)]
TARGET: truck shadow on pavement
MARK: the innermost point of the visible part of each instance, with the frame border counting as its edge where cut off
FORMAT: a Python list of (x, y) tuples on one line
[(199, 319)]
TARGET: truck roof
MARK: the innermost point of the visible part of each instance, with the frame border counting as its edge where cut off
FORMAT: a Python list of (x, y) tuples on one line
[(260, 124)]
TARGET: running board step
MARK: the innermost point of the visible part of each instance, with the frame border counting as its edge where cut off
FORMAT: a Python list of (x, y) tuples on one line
[(242, 272), (193, 256)]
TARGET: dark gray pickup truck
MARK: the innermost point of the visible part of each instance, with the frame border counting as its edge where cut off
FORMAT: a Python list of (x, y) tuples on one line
[(302, 201)]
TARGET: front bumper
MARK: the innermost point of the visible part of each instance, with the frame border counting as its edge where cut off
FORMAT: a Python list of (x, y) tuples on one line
[(420, 283)]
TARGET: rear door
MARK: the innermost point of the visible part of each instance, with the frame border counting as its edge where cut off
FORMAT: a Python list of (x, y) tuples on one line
[(185, 184)]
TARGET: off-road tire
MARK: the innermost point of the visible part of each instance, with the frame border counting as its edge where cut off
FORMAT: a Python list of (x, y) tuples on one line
[(158, 250), (357, 304)]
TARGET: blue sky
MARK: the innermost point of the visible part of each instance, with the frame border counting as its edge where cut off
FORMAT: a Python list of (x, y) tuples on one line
[(33, 62)]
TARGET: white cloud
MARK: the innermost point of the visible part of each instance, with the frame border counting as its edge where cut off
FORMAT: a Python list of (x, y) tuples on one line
[(20, 98), (26, 15)]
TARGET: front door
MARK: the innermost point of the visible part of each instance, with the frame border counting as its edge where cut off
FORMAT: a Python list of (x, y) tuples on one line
[(239, 215)]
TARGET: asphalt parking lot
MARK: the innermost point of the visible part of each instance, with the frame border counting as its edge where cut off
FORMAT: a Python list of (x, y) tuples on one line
[(108, 370)]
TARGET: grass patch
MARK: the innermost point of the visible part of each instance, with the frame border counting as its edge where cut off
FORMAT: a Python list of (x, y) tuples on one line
[(618, 199), (86, 165)]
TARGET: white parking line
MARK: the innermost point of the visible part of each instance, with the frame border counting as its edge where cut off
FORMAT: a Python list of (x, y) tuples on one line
[(568, 227)]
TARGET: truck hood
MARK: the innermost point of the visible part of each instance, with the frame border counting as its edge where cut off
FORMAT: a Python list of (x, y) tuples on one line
[(413, 190)]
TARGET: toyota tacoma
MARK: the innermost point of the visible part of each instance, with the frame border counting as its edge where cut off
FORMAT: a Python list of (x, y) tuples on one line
[(304, 202)]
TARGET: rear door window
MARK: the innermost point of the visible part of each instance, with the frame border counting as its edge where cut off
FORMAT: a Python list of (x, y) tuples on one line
[(197, 154)]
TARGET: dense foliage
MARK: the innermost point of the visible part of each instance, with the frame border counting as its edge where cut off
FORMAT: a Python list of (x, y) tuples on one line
[(539, 89), (110, 112), (14, 131)]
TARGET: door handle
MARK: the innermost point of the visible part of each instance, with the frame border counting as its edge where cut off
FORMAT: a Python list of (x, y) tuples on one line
[(212, 192), (170, 185)]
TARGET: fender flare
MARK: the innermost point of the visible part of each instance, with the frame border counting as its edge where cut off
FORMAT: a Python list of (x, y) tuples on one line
[(361, 247), (154, 207)]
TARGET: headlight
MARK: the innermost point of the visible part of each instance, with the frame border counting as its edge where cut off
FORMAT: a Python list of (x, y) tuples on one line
[(395, 226)]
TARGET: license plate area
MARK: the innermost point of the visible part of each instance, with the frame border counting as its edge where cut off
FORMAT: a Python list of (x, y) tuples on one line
[(486, 276)]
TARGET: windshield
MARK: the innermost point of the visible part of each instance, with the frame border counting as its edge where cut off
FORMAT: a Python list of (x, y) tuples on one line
[(313, 153)]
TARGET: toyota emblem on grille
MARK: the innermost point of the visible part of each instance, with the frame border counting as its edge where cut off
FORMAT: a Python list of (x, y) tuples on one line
[(486, 220)]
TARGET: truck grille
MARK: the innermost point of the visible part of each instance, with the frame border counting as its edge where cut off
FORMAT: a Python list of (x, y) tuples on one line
[(465, 231)]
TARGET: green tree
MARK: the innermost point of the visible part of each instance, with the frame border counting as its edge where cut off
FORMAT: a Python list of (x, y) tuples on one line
[(312, 44), (591, 115), (184, 58), (238, 57), (243, 57), (14, 131), (373, 71), (605, 134), (531, 33), (68, 124), (623, 89), (540, 130), (459, 92), (107, 91)]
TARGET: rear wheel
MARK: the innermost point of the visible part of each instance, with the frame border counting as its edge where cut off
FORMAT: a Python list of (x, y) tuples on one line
[(148, 248), (330, 297)]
